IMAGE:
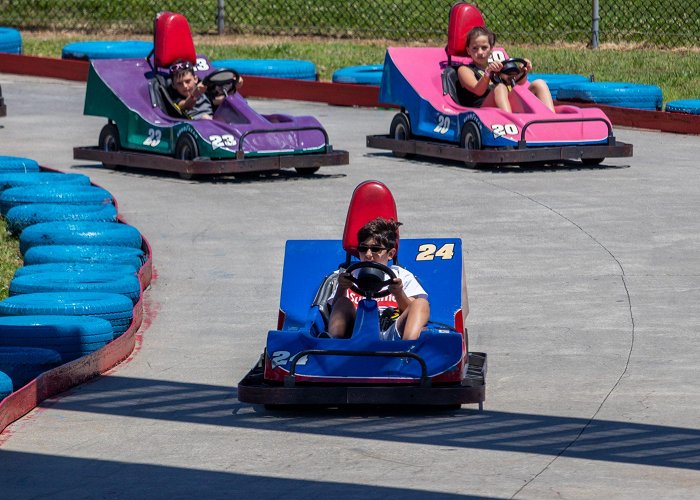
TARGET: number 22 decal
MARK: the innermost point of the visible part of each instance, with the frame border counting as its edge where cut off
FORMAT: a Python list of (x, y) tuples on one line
[(429, 251)]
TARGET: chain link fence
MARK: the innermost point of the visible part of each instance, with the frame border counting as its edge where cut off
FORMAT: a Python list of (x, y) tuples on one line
[(672, 23)]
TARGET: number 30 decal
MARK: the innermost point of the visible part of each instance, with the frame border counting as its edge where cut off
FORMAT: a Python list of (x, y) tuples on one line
[(430, 251)]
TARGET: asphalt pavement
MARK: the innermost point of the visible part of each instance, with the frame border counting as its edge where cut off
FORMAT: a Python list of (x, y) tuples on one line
[(583, 290)]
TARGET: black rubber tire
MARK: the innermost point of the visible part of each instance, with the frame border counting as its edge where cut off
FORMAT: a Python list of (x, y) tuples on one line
[(400, 129), (109, 141), (471, 140), (186, 147)]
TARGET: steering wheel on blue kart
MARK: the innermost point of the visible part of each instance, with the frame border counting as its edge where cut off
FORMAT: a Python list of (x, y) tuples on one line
[(222, 81), (370, 280), (514, 69)]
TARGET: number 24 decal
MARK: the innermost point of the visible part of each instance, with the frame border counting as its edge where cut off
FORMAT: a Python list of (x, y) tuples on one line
[(429, 251)]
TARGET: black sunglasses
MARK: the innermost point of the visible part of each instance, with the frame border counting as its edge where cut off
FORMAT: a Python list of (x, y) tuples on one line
[(373, 248)]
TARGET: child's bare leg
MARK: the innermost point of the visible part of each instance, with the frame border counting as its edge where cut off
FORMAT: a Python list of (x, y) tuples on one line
[(500, 94), (541, 91), (342, 318), (411, 322)]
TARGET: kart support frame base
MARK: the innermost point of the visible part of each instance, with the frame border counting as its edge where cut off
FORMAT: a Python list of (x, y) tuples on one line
[(254, 389), (206, 166), (499, 156)]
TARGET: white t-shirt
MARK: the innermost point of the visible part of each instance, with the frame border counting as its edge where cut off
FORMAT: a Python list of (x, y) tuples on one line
[(410, 286)]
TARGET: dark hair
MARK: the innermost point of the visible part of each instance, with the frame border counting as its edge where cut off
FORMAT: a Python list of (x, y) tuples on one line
[(384, 231), (480, 31), (180, 68)]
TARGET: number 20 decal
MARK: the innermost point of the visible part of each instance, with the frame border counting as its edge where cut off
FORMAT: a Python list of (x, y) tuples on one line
[(153, 139), (282, 357), (443, 124), (429, 251), (501, 130)]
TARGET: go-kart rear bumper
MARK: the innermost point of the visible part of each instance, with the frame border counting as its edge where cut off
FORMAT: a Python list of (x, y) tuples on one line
[(499, 156), (255, 389), (206, 166)]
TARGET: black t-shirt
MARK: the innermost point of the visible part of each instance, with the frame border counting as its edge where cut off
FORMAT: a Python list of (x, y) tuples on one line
[(468, 98)]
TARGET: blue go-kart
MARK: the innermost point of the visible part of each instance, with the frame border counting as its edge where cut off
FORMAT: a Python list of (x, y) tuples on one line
[(301, 365)]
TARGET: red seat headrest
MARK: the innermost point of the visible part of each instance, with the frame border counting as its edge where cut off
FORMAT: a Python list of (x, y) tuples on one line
[(463, 17), (371, 199), (172, 40)]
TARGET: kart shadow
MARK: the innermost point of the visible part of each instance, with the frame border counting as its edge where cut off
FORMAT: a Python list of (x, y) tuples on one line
[(563, 165), (245, 178), (551, 435)]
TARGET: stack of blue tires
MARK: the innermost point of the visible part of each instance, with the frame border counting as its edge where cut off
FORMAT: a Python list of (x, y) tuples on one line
[(79, 286)]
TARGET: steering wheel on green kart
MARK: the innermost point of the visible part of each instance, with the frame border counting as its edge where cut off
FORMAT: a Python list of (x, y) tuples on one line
[(514, 69), (222, 81), (370, 280)]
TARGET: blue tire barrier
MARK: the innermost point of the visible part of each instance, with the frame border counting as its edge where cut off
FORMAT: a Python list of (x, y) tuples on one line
[(22, 216), (88, 281), (80, 233), (71, 336), (364, 75), (273, 68), (689, 106), (119, 49), (10, 41), (5, 386), (16, 179), (17, 164), (620, 94), (74, 267), (74, 194), (23, 364), (556, 80), (115, 308), (91, 254)]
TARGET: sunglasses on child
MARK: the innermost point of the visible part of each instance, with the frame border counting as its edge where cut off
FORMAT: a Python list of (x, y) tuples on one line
[(180, 66), (373, 248)]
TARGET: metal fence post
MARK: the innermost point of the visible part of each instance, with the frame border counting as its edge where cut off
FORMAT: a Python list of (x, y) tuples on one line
[(220, 17), (594, 30)]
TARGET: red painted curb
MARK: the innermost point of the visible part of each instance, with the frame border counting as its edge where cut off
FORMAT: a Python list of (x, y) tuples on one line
[(340, 94)]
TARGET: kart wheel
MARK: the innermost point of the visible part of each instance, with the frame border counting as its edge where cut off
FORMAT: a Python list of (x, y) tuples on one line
[(471, 141), (400, 130), (186, 149), (109, 141)]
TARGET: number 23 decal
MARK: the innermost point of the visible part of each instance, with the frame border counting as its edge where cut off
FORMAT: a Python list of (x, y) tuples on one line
[(429, 251)]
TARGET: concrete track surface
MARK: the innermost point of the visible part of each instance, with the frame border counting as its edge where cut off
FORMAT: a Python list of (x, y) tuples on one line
[(584, 291)]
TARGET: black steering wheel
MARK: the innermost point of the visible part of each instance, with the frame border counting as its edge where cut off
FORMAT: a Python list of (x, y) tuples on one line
[(370, 281), (515, 69), (222, 81)]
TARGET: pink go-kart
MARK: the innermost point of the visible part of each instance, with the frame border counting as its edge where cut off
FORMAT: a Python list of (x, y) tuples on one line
[(432, 122)]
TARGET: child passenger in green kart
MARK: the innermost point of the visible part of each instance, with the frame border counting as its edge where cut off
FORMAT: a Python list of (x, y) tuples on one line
[(190, 95), (408, 298)]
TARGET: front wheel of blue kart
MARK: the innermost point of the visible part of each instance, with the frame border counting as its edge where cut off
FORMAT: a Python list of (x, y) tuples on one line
[(109, 141), (471, 141), (400, 130)]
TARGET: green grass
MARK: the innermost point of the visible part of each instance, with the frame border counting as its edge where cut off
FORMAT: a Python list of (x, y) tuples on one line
[(10, 258)]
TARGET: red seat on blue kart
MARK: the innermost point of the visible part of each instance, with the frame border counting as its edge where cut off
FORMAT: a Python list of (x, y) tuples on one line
[(370, 199), (172, 40)]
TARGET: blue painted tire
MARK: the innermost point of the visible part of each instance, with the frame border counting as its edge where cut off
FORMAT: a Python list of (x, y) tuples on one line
[(273, 68), (689, 106), (80, 233), (45, 254), (74, 194), (556, 80), (115, 308), (23, 364), (17, 179), (22, 216), (88, 281), (621, 94), (363, 75), (74, 267), (5, 385), (71, 336), (10, 41), (107, 49), (17, 164)]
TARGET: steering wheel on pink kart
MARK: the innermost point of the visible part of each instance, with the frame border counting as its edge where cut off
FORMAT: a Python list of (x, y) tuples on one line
[(370, 281), (514, 69), (224, 81)]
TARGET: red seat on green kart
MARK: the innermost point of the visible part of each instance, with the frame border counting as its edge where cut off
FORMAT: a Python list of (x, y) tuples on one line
[(172, 40)]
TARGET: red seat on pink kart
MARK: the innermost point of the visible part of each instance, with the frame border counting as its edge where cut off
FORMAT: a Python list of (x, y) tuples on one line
[(172, 40), (370, 200), (463, 17)]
